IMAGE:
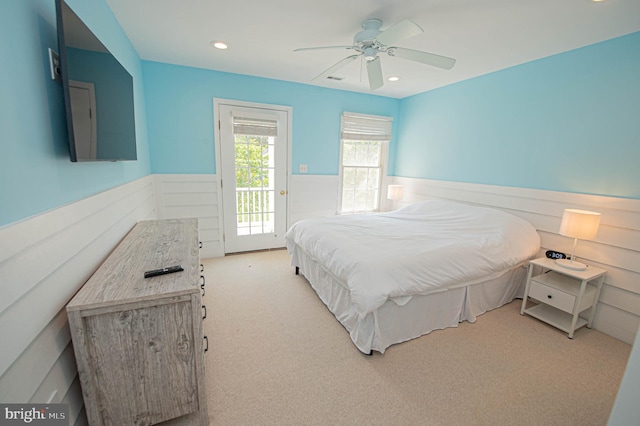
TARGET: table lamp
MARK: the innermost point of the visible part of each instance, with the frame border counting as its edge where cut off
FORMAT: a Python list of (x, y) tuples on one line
[(394, 192), (578, 224)]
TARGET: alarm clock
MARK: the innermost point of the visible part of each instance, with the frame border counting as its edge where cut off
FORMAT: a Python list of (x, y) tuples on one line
[(555, 255)]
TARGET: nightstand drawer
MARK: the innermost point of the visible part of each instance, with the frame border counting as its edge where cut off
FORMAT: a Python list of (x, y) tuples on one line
[(552, 296)]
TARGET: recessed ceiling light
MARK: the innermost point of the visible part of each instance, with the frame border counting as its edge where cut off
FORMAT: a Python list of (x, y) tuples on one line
[(394, 78), (219, 45)]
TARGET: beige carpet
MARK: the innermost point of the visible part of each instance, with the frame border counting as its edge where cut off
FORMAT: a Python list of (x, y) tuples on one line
[(277, 356)]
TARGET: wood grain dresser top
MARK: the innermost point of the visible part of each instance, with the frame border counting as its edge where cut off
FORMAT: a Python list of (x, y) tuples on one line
[(149, 245)]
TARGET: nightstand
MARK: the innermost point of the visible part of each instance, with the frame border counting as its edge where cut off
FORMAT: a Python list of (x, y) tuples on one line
[(563, 293)]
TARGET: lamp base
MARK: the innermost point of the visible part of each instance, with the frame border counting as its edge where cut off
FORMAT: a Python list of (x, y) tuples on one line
[(570, 264)]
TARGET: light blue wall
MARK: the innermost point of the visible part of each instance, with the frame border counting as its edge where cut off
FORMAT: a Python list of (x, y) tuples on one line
[(569, 122), (180, 115), (35, 171)]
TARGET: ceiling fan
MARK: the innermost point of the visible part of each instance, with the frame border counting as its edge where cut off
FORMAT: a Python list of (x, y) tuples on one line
[(371, 41)]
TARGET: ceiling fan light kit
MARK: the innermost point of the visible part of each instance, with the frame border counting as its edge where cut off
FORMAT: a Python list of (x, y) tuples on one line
[(371, 41)]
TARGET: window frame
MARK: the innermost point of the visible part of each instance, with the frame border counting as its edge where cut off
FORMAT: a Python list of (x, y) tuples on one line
[(383, 164)]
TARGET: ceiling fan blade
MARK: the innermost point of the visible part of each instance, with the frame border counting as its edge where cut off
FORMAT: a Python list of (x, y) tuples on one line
[(398, 32), (423, 57), (322, 47), (335, 67), (374, 71)]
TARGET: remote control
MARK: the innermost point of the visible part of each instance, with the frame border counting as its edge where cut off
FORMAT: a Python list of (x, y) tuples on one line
[(163, 271)]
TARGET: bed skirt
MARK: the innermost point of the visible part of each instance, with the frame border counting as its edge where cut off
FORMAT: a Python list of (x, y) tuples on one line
[(392, 323)]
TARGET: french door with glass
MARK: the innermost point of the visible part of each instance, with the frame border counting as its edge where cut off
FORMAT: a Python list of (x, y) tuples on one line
[(253, 159)]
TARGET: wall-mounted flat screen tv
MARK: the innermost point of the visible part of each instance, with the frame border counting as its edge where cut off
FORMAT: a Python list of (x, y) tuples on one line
[(98, 94)]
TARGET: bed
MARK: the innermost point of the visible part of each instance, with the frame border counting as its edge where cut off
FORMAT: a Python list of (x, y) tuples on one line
[(391, 277)]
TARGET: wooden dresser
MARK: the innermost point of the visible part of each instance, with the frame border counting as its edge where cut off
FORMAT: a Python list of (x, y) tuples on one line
[(139, 341)]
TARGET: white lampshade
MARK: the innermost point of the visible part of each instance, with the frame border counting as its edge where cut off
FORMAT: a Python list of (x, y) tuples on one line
[(579, 224), (394, 192)]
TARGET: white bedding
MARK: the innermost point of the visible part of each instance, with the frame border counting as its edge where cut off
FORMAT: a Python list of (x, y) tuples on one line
[(416, 250)]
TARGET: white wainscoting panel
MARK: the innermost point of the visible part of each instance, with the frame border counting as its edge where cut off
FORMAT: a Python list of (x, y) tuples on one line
[(193, 196), (44, 260), (616, 247), (312, 196), (199, 196)]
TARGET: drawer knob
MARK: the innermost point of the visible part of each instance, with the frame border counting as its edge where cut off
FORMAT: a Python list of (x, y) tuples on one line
[(549, 296)]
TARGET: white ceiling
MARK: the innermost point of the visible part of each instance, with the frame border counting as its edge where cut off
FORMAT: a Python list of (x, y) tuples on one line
[(483, 35)]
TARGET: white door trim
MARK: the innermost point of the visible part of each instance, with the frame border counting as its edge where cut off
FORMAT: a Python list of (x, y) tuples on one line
[(93, 116), (216, 133)]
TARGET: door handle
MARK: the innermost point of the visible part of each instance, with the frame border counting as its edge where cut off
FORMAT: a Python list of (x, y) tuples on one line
[(283, 192)]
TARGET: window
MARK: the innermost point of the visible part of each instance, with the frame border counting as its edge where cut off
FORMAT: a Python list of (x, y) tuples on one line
[(362, 161), (255, 170)]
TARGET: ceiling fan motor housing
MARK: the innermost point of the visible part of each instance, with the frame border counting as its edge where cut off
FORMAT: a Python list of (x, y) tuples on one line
[(365, 40), (370, 32)]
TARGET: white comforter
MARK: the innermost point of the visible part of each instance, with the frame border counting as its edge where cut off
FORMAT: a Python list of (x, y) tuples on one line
[(419, 249)]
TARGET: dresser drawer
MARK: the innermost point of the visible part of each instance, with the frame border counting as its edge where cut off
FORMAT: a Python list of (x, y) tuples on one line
[(552, 296)]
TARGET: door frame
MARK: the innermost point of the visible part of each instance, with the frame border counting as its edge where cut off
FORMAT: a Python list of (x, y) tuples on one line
[(93, 138), (217, 146)]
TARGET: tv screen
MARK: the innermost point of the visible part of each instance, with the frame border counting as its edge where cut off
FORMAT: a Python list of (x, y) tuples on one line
[(98, 94)]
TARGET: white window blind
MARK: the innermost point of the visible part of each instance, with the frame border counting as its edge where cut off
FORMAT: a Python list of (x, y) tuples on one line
[(362, 127), (254, 126)]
